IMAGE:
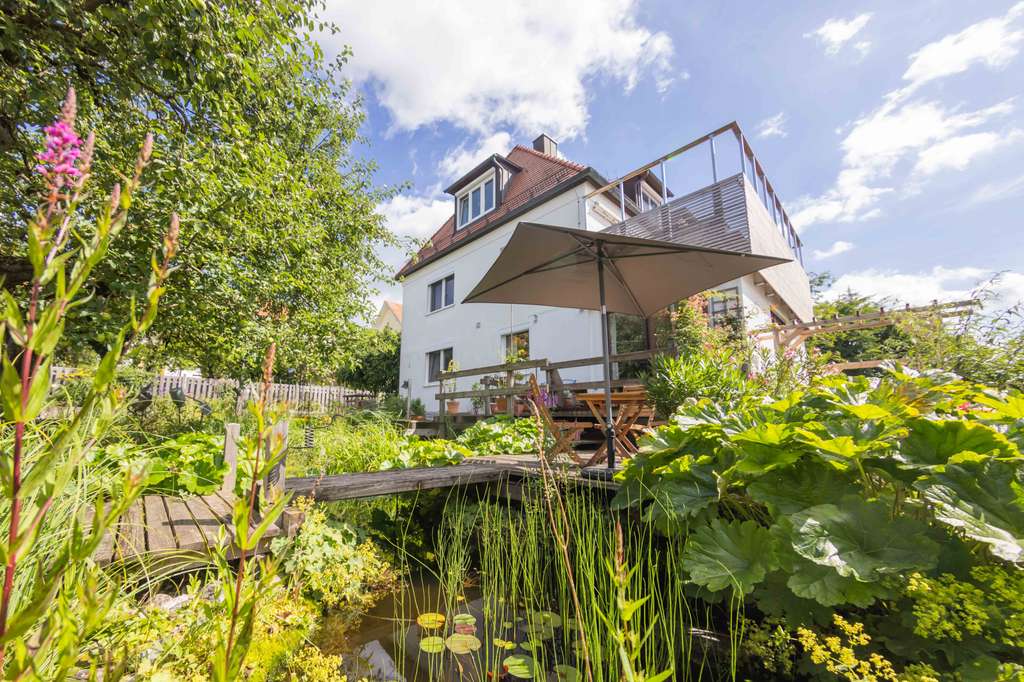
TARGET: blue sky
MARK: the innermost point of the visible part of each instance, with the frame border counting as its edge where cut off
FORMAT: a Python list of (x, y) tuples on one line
[(893, 132)]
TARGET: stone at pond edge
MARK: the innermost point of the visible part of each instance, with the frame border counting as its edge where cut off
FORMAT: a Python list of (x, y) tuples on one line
[(430, 621), (462, 644), (432, 645), (521, 666)]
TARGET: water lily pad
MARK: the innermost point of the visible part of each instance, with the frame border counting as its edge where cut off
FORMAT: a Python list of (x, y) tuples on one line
[(570, 623), (567, 673), (521, 666), (532, 646), (464, 619), (507, 624), (504, 644), (538, 631), (550, 618), (430, 621), (465, 629), (462, 644), (432, 645)]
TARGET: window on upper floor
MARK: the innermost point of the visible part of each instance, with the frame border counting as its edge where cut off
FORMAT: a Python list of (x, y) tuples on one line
[(724, 309), (438, 361), (476, 200), (442, 293)]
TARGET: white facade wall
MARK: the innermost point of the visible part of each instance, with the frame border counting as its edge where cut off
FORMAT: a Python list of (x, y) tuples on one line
[(474, 330)]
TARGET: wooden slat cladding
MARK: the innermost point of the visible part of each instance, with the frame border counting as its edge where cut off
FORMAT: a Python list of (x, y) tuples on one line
[(712, 217)]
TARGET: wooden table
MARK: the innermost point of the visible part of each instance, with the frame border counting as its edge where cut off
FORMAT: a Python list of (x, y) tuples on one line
[(628, 406)]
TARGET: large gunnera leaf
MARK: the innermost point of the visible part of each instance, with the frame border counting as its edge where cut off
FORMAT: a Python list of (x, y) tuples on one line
[(984, 500), (932, 443), (732, 554), (680, 495), (765, 447), (826, 586), (857, 538), (804, 485)]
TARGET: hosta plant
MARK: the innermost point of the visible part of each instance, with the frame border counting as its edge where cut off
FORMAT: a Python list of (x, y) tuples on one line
[(898, 502)]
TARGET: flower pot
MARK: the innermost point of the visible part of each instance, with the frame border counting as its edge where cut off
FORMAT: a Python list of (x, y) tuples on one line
[(500, 405), (453, 407)]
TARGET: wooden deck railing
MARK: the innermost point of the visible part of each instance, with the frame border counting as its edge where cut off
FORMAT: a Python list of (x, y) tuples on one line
[(552, 380)]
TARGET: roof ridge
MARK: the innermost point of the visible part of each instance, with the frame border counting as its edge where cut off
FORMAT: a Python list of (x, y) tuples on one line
[(550, 157)]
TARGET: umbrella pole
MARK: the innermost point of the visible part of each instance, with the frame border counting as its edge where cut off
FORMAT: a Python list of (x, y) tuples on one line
[(609, 433)]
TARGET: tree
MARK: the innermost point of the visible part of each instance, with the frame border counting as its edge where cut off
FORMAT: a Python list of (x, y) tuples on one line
[(375, 367), (869, 344), (254, 134)]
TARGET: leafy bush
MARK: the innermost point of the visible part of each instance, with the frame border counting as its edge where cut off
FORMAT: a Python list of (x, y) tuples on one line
[(329, 562), (427, 453), (192, 463), (356, 441), (375, 363), (710, 374), (898, 502), (502, 435)]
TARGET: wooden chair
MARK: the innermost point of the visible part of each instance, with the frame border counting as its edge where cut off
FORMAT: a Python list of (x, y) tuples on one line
[(564, 433)]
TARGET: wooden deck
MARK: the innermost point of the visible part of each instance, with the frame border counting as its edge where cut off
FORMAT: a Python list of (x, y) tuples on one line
[(159, 525)]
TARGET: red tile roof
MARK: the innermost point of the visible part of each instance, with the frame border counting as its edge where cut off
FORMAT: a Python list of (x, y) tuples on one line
[(540, 172)]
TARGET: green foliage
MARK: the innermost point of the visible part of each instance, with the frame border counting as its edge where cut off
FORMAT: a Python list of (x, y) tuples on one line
[(435, 452), (256, 132), (354, 441), (58, 602), (192, 463), (711, 374), (503, 435), (328, 562), (873, 498), (375, 363)]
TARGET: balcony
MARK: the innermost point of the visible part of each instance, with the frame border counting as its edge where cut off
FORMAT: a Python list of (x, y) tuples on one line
[(729, 203)]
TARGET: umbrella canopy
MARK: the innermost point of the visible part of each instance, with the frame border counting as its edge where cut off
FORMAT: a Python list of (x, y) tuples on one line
[(568, 268), (558, 266)]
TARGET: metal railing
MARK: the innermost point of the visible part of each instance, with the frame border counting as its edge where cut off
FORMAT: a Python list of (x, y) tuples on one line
[(749, 166)]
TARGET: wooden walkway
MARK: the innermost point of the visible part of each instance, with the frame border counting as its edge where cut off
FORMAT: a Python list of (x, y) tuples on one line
[(476, 470)]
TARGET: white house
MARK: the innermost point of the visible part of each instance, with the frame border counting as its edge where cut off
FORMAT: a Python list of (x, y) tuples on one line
[(389, 317), (535, 184)]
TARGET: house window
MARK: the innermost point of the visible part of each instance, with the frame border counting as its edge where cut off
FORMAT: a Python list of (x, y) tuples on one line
[(477, 200), (724, 308), (442, 293), (517, 344), (438, 361), (646, 200)]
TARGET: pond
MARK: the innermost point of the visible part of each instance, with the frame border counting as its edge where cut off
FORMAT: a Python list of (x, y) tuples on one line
[(542, 588)]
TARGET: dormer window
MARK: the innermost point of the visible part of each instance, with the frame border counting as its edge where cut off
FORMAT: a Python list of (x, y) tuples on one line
[(476, 200)]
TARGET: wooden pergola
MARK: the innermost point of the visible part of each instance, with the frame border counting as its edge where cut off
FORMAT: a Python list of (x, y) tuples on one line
[(792, 335)]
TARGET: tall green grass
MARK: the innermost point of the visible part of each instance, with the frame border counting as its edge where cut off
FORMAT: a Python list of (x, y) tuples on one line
[(511, 550)]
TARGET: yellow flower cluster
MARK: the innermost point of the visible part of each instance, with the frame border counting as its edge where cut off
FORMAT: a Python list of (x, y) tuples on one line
[(841, 658), (946, 608), (312, 665)]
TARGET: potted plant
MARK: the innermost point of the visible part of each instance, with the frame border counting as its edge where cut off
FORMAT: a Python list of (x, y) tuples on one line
[(417, 409), (479, 401)]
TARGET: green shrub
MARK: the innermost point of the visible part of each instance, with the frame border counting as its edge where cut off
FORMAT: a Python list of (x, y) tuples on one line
[(192, 463), (502, 435), (356, 441), (435, 452), (711, 374), (895, 504)]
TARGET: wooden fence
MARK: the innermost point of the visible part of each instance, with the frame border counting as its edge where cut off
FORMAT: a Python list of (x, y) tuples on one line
[(325, 398)]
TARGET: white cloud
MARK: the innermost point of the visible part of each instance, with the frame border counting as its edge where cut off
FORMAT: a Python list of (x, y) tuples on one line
[(416, 216), (457, 162), (992, 42), (484, 66), (956, 153), (835, 33), (937, 284), (773, 126), (997, 191), (834, 250), (933, 135)]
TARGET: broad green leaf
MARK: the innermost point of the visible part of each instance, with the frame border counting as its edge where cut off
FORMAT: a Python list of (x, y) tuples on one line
[(803, 485), (10, 391), (984, 500), (765, 447), (683, 494), (729, 554), (867, 411), (932, 443), (774, 598), (859, 539), (827, 587)]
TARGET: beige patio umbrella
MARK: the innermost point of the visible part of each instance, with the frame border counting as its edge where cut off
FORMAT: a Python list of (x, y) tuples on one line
[(569, 268)]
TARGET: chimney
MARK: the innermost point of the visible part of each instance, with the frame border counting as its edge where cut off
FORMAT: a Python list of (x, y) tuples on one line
[(545, 145)]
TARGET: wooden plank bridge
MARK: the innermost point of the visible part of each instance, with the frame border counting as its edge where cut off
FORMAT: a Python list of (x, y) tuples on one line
[(188, 528)]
